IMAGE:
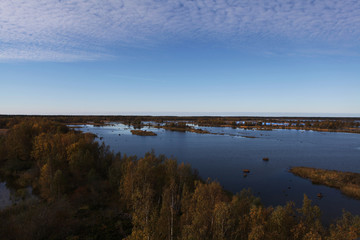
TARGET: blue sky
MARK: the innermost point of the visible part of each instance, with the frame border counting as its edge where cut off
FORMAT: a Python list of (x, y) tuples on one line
[(180, 56)]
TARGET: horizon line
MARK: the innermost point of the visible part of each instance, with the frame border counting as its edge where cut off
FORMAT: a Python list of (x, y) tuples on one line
[(198, 114)]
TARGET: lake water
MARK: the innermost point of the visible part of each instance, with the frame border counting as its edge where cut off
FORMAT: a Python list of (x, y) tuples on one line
[(5, 196), (10, 196), (223, 157)]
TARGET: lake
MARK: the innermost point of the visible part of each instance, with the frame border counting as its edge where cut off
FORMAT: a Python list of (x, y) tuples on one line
[(223, 157), (5, 196)]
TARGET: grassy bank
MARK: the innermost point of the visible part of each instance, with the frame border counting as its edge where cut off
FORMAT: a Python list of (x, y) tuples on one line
[(347, 182)]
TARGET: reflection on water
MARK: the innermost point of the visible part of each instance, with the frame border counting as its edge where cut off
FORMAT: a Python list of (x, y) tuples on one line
[(10, 196), (225, 155), (5, 199)]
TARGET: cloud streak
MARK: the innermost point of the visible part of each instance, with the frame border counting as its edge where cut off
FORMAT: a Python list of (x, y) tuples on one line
[(72, 30)]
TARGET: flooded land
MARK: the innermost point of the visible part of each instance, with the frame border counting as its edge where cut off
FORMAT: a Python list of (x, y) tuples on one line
[(347, 182), (224, 152)]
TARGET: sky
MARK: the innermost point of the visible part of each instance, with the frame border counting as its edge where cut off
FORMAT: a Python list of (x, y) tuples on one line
[(180, 57)]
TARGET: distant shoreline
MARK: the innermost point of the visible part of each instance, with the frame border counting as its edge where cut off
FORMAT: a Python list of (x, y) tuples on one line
[(320, 124)]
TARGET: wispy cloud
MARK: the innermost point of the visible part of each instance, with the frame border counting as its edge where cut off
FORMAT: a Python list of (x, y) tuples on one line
[(71, 30)]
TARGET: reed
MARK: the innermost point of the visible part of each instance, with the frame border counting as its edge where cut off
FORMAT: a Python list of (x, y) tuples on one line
[(347, 182)]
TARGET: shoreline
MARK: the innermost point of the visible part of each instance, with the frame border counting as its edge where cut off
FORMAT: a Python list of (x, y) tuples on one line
[(201, 131), (347, 182)]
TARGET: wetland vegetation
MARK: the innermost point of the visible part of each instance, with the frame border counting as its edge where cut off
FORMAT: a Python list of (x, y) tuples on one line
[(176, 123), (181, 127), (347, 182), (143, 133)]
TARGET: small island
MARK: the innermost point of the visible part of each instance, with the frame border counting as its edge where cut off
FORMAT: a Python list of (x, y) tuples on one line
[(347, 182), (182, 127), (143, 133)]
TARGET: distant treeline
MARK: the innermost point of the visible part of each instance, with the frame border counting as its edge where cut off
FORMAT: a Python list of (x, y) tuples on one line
[(85, 191), (333, 123)]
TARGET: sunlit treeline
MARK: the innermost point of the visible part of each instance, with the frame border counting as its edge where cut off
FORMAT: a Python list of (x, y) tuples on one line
[(85, 191), (309, 122)]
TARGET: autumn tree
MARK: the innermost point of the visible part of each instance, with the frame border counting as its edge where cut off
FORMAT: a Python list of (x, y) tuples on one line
[(309, 225), (348, 227), (200, 214)]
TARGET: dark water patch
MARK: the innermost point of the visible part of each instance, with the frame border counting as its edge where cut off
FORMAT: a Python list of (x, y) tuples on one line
[(5, 199), (10, 196)]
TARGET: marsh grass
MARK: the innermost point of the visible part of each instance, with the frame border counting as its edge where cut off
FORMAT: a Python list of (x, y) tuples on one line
[(347, 182), (143, 133)]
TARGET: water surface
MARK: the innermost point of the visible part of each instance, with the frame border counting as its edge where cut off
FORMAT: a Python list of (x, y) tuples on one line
[(5, 197), (223, 157)]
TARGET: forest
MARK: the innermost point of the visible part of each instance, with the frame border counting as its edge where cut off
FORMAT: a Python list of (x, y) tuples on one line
[(80, 189)]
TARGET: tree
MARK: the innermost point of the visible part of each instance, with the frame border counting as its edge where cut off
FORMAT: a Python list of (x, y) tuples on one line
[(348, 227), (309, 225), (200, 212)]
